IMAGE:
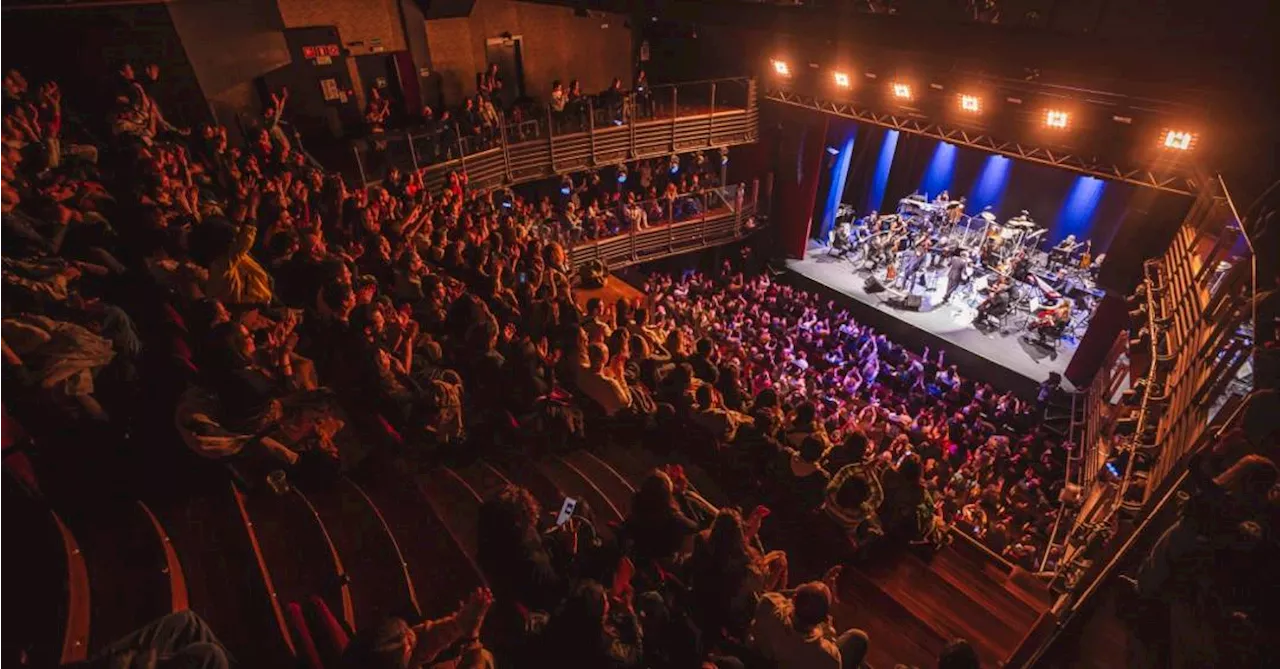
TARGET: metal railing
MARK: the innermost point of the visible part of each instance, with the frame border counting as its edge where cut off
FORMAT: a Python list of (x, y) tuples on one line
[(589, 133), (1196, 335), (710, 218)]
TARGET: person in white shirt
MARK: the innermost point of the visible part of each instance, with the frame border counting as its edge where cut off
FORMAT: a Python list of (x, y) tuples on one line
[(602, 385)]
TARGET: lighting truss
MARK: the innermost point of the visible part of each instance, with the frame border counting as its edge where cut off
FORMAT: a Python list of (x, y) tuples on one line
[(1169, 182)]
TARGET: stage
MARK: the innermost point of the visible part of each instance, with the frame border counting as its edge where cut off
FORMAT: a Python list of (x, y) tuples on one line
[(950, 322)]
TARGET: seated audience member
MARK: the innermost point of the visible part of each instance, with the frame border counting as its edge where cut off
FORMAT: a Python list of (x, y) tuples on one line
[(908, 509), (514, 553), (657, 527), (958, 654), (809, 480), (594, 628), (605, 385), (394, 644), (795, 631), (177, 641), (728, 574)]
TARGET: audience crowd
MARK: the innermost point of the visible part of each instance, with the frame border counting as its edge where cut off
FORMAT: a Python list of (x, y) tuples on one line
[(612, 201), (286, 322)]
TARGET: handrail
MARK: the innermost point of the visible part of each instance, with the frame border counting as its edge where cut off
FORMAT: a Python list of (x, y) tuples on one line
[(1195, 316), (1139, 532), (535, 149), (710, 227)]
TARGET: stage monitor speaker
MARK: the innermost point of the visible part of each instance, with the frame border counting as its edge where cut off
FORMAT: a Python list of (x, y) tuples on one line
[(872, 286), (912, 302)]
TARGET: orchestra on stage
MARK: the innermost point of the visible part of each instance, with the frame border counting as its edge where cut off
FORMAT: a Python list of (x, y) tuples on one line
[(1000, 275)]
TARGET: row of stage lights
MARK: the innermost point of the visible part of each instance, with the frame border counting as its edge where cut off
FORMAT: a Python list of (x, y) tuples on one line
[(1053, 119)]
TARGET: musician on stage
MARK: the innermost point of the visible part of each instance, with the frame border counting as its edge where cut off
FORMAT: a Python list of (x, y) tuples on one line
[(943, 198), (1051, 318), (1019, 265), (912, 262), (956, 273), (841, 241), (1061, 254), (955, 211), (998, 302)]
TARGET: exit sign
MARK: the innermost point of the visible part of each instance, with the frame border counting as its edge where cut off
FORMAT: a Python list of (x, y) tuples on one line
[(321, 51)]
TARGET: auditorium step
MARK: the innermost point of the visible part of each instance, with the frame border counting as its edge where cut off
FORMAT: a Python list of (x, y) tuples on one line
[(226, 583), (297, 553), (48, 591), (134, 577), (375, 568), (442, 574)]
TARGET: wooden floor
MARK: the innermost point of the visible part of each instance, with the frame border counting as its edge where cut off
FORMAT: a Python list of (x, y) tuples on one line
[(400, 537)]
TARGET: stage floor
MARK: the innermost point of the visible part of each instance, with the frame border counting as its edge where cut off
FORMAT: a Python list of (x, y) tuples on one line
[(950, 322)]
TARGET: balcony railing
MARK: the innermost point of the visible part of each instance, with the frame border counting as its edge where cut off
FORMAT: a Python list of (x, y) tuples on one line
[(722, 215), (671, 119)]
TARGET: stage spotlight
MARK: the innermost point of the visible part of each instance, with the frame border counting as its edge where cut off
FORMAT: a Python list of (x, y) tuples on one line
[(1056, 118), (970, 103), (781, 68), (842, 79), (1178, 140), (902, 91)]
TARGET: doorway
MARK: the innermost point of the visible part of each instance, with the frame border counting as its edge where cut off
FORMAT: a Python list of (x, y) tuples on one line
[(506, 53)]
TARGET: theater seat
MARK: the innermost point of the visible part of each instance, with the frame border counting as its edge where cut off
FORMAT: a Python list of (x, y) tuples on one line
[(318, 636)]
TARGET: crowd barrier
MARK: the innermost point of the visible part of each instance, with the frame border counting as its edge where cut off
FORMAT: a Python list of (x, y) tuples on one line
[(668, 120), (723, 215)]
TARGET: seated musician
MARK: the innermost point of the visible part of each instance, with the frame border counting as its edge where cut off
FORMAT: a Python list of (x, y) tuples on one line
[(1019, 265), (998, 302), (955, 210), (1067, 245), (840, 239), (943, 198), (1052, 317)]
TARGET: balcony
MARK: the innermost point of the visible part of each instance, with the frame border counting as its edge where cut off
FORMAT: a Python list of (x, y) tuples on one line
[(673, 119), (690, 223)]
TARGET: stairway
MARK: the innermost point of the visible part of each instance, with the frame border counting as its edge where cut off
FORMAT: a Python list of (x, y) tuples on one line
[(397, 537)]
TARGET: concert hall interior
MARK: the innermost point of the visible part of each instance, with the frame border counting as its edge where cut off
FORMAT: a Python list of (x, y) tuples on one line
[(994, 254)]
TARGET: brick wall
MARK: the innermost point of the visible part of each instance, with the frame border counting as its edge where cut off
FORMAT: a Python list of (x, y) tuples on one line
[(555, 44), (366, 26)]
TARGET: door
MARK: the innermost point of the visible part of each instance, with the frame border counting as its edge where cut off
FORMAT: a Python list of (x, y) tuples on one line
[(505, 52), (321, 95)]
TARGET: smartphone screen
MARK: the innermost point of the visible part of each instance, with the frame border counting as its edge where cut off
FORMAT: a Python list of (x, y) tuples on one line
[(566, 511)]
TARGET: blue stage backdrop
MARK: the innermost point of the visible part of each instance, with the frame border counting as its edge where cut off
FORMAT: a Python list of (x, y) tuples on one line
[(989, 188), (880, 180), (942, 168), (887, 166), (839, 174)]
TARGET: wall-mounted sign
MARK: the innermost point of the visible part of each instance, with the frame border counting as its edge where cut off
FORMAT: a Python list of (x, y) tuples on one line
[(321, 51), (330, 89)]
